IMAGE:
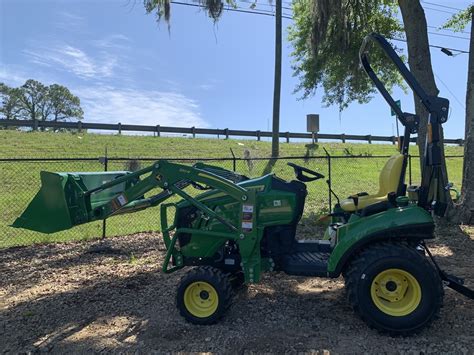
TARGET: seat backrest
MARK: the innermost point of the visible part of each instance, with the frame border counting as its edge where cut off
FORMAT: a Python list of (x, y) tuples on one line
[(389, 177)]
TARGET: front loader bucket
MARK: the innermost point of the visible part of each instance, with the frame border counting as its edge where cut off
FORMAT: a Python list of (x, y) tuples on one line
[(62, 202)]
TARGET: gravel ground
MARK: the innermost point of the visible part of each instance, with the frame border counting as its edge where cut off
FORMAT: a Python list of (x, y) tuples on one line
[(112, 297)]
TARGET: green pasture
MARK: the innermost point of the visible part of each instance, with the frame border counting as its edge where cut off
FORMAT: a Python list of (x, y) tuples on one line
[(354, 168)]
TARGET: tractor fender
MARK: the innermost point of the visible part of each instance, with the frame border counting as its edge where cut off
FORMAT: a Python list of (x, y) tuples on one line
[(409, 223)]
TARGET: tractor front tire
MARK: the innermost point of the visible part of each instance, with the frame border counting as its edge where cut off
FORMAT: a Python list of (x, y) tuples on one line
[(394, 288), (204, 294)]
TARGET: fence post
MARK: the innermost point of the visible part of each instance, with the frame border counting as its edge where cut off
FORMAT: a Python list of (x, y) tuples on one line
[(104, 221), (409, 169), (233, 159)]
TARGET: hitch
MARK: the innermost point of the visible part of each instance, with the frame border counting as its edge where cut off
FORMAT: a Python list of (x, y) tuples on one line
[(453, 282)]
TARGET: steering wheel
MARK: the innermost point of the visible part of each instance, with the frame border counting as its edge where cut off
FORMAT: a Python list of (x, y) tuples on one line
[(304, 178)]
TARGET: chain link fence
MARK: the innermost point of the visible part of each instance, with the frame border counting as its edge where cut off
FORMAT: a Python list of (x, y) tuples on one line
[(347, 175)]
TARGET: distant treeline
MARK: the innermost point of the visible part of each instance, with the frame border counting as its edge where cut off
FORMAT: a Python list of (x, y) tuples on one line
[(38, 102)]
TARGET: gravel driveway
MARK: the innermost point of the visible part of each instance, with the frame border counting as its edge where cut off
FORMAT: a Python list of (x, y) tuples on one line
[(112, 297)]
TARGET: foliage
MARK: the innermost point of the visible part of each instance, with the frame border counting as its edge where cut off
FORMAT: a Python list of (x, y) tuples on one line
[(460, 20), (63, 104), (9, 100), (327, 35), (33, 98), (162, 8), (36, 101)]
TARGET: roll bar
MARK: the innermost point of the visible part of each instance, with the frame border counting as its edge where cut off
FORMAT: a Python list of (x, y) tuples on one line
[(433, 192)]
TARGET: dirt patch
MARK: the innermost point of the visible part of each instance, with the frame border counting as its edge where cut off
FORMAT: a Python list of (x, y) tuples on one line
[(112, 297)]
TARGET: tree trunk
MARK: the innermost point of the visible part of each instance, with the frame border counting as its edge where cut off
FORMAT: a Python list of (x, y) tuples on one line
[(277, 82), (466, 206), (419, 59)]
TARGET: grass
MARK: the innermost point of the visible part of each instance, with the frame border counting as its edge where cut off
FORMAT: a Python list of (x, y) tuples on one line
[(20, 180)]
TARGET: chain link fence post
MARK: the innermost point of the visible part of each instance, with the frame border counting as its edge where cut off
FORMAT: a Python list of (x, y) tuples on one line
[(106, 167), (233, 160)]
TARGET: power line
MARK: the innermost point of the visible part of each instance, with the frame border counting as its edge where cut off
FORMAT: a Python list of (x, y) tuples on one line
[(448, 29), (439, 5), (439, 10), (432, 45), (447, 88), (446, 35), (233, 9), (290, 18), (258, 4)]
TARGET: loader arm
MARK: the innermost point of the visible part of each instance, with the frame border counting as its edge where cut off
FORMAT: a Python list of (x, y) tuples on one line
[(65, 200)]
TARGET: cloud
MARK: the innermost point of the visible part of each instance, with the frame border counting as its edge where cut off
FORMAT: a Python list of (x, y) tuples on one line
[(74, 60), (115, 41), (210, 84), (12, 78), (68, 21), (133, 106)]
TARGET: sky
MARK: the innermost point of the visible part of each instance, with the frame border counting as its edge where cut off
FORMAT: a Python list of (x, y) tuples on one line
[(125, 67)]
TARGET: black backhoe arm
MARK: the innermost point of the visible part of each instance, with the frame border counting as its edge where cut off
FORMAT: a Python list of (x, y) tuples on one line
[(433, 192)]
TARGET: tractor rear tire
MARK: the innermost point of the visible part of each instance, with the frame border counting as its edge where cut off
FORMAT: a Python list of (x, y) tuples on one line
[(204, 294), (394, 288)]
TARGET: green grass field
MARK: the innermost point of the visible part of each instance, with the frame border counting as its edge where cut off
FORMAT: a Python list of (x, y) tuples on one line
[(20, 180)]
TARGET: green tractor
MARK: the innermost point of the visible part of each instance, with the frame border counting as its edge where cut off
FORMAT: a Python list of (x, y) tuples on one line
[(241, 227)]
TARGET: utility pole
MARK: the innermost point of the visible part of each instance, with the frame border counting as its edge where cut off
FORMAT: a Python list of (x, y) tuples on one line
[(277, 82)]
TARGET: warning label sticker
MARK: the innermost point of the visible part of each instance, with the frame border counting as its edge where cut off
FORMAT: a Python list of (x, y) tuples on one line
[(122, 200), (247, 226), (247, 208)]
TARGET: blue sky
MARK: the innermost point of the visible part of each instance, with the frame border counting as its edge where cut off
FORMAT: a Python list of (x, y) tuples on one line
[(127, 68)]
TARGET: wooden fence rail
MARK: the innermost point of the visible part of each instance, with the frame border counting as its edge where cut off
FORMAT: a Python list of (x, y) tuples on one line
[(157, 130)]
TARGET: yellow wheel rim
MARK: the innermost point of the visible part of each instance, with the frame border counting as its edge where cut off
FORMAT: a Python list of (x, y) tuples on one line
[(395, 292), (201, 299)]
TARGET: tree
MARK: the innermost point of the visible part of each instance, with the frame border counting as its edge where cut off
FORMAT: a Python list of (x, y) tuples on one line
[(465, 208), (63, 104), (162, 8), (33, 100), (327, 35), (37, 102), (9, 98), (419, 59)]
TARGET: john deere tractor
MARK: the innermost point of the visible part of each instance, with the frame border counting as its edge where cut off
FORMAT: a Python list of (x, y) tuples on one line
[(240, 227)]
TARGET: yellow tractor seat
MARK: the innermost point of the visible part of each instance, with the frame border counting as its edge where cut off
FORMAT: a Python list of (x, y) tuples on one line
[(389, 179)]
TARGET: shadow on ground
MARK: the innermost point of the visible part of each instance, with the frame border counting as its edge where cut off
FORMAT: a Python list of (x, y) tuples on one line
[(65, 298)]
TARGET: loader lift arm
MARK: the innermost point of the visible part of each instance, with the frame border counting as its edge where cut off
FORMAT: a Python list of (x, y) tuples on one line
[(65, 201)]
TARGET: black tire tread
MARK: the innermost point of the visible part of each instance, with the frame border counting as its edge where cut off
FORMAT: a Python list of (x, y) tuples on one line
[(219, 280), (378, 251)]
